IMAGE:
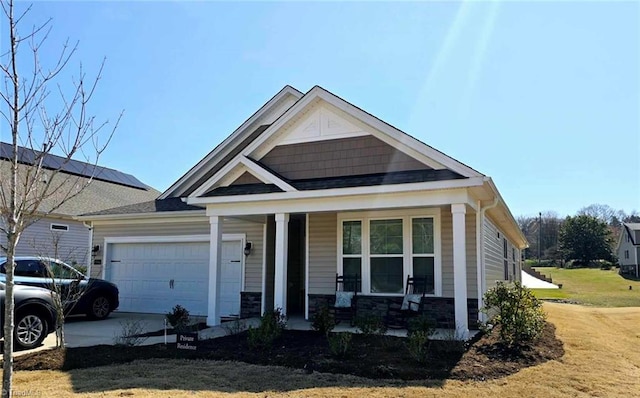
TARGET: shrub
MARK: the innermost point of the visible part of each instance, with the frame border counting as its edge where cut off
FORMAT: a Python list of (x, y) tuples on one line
[(420, 324), (418, 344), (130, 333), (178, 318), (370, 325), (339, 344), (271, 326), (323, 322), (519, 313)]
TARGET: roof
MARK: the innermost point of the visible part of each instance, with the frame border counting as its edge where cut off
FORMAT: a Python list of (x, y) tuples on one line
[(106, 189), (635, 237), (28, 156), (152, 206), (633, 226), (400, 177)]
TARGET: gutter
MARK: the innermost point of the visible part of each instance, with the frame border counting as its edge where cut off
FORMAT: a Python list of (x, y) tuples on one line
[(481, 272)]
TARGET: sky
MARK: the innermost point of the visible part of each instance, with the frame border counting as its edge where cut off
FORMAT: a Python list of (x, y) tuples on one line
[(541, 96)]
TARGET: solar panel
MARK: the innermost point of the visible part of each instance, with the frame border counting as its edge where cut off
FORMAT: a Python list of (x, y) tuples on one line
[(75, 167)]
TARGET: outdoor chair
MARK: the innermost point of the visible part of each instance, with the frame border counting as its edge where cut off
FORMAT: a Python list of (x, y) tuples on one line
[(345, 304), (412, 303)]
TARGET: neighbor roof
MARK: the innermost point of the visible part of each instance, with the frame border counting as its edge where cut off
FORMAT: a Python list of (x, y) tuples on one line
[(152, 206), (27, 156)]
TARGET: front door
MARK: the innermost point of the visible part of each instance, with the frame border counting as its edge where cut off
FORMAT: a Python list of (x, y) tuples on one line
[(230, 278)]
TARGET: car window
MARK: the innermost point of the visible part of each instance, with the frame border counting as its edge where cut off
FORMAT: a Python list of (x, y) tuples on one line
[(62, 271), (29, 268)]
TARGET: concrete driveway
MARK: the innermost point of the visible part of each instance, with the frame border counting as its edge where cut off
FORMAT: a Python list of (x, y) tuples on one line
[(81, 332)]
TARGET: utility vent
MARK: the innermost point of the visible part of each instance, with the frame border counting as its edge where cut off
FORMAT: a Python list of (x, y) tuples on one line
[(59, 227)]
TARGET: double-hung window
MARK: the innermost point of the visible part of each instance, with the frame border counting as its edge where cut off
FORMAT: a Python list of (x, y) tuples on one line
[(384, 249)]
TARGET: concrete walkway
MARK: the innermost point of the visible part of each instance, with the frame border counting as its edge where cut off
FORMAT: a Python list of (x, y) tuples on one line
[(534, 283)]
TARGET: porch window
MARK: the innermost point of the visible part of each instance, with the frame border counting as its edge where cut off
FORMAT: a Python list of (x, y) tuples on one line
[(386, 256), (423, 251), (352, 248), (384, 249)]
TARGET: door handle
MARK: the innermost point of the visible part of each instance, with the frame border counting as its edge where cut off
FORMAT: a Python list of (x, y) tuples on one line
[(171, 283)]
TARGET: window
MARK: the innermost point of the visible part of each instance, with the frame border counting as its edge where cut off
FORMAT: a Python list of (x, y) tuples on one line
[(352, 248), (626, 254), (387, 260), (59, 227), (505, 254), (30, 268), (383, 249), (422, 251)]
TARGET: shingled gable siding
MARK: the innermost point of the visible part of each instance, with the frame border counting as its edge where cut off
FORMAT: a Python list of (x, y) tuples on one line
[(246, 178), (253, 231), (340, 157)]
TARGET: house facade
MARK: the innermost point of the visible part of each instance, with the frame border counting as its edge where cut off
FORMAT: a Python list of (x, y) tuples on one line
[(308, 187), (628, 249), (59, 234)]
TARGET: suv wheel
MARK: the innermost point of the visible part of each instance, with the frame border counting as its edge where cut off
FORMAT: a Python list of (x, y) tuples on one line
[(30, 330), (99, 307)]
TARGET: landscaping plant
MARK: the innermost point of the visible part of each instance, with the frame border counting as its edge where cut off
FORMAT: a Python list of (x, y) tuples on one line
[(518, 313), (178, 318), (371, 325), (339, 344), (271, 326), (323, 322)]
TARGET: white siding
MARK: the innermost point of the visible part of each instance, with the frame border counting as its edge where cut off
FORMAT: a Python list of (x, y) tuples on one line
[(322, 253), (626, 245), (71, 246)]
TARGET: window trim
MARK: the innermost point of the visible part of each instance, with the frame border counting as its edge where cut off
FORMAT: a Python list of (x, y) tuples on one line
[(407, 216), (58, 227)]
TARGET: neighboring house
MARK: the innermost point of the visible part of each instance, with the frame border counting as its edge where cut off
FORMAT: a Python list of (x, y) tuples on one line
[(629, 249), (308, 187), (60, 234)]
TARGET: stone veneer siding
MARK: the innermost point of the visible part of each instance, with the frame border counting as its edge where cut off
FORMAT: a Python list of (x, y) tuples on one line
[(440, 310), (250, 304)]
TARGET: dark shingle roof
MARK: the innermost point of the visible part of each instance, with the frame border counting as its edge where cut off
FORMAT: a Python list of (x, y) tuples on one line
[(53, 162), (399, 177), (153, 206)]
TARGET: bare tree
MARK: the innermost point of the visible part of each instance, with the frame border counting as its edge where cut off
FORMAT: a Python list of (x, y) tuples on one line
[(40, 126)]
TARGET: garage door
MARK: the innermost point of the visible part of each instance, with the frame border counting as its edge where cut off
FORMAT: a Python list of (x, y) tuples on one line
[(154, 277)]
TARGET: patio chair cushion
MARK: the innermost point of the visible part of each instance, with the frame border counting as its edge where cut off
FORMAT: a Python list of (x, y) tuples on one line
[(343, 299), (411, 302)]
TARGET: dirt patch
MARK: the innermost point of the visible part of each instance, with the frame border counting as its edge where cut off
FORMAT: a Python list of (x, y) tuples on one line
[(373, 357)]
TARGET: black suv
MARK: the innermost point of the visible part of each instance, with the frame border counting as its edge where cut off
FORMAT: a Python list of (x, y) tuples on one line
[(95, 298), (34, 315)]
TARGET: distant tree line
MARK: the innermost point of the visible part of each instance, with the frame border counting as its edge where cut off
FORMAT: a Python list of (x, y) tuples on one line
[(591, 234)]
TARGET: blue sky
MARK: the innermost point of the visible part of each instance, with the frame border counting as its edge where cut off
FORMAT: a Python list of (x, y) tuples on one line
[(541, 96)]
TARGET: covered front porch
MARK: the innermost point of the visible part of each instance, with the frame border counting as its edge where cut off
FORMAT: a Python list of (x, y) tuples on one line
[(303, 251)]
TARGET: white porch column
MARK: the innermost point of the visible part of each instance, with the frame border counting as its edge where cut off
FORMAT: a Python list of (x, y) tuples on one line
[(280, 282), (460, 268), (213, 319)]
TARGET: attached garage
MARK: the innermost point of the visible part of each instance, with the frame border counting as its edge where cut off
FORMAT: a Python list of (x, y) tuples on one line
[(155, 276)]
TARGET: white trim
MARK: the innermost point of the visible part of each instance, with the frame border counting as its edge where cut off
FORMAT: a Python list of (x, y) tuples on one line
[(178, 186), (406, 215), (458, 213), (157, 239), (264, 269), (306, 266), (280, 272), (90, 253)]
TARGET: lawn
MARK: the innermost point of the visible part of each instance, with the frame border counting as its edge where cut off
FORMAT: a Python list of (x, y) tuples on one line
[(590, 286), (601, 359)]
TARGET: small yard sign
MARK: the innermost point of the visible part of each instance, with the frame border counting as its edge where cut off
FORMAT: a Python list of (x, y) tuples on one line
[(187, 341)]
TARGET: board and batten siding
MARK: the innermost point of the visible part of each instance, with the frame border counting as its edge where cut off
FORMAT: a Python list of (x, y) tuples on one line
[(70, 246), (252, 230), (322, 252), (446, 221)]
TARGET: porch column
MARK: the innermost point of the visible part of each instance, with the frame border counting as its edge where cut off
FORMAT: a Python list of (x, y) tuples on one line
[(280, 274), (460, 269), (213, 319)]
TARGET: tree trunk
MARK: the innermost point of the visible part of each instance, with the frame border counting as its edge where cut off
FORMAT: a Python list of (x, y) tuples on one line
[(9, 318)]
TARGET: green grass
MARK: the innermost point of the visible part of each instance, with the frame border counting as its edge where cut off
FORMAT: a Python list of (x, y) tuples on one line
[(591, 287)]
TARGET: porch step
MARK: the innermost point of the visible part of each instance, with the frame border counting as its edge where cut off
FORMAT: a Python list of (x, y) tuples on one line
[(536, 274)]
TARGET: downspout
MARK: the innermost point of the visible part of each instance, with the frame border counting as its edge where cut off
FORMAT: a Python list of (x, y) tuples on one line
[(90, 252), (482, 283)]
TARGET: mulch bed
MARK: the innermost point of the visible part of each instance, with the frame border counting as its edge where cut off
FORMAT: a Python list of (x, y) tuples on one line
[(373, 357)]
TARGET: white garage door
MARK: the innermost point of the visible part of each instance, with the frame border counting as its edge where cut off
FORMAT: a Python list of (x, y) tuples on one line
[(154, 277)]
